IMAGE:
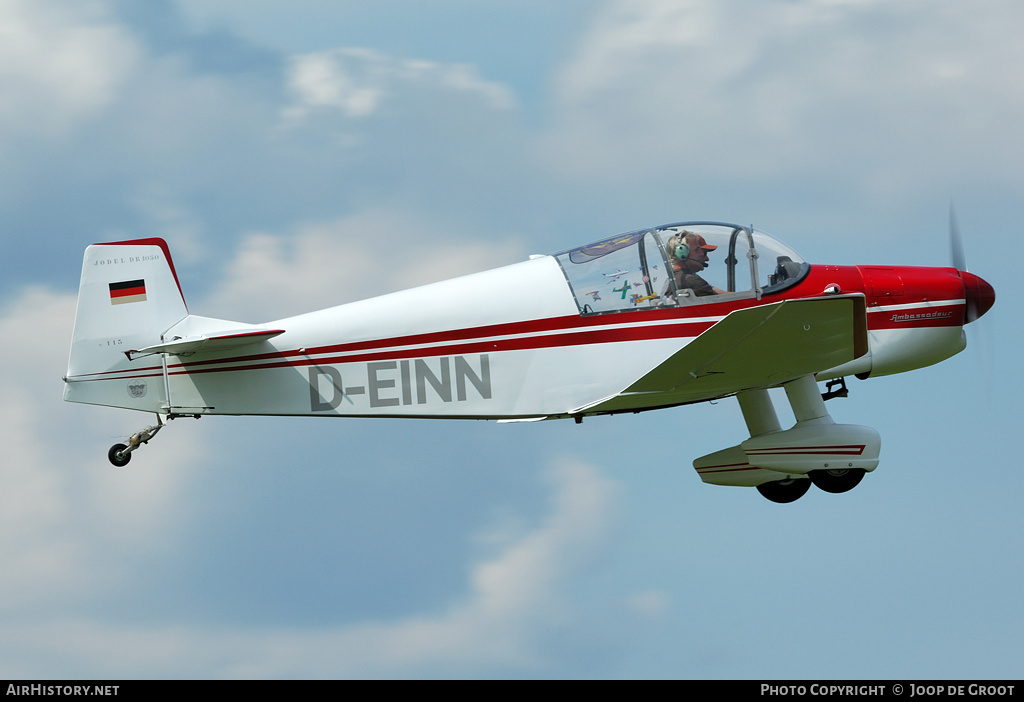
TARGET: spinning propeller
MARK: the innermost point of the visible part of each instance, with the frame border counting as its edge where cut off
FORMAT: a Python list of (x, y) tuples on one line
[(978, 294)]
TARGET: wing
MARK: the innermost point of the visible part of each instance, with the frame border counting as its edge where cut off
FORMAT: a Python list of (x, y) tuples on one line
[(755, 347)]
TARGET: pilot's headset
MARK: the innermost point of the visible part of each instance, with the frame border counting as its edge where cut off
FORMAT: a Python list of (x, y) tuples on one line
[(682, 251)]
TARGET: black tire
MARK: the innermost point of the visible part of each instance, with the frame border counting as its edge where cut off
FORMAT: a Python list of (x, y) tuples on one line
[(837, 481), (785, 491), (118, 456)]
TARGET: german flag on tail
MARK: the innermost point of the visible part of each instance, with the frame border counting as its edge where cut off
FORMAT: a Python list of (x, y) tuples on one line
[(127, 291)]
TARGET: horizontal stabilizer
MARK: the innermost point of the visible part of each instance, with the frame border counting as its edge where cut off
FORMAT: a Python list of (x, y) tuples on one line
[(218, 341), (753, 348)]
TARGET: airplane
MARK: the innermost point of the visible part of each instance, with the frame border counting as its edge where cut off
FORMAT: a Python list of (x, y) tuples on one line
[(531, 341)]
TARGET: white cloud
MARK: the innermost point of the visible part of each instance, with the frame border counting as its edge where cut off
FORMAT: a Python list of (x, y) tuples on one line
[(319, 80), (889, 91), (512, 599), (353, 258), (59, 63), (356, 82), (512, 602)]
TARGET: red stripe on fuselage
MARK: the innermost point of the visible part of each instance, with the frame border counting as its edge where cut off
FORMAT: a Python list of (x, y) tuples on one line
[(547, 328), (728, 468), (350, 354)]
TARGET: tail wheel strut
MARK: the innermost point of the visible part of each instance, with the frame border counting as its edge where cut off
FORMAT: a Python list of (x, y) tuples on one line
[(120, 454)]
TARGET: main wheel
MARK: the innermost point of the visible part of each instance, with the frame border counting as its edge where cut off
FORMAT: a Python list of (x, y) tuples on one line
[(837, 481), (783, 491), (119, 455)]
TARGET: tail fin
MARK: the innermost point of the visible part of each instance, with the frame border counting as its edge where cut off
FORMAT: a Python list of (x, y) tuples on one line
[(128, 297)]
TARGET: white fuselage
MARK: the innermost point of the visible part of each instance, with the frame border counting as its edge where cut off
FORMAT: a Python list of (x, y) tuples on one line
[(505, 343)]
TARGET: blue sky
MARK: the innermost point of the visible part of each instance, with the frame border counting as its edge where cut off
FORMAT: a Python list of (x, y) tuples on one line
[(301, 154)]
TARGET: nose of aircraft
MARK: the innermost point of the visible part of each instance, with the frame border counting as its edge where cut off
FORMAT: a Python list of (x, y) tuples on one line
[(979, 294)]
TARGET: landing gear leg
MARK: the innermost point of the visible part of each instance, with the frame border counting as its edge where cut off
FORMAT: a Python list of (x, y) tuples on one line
[(120, 454), (759, 414)]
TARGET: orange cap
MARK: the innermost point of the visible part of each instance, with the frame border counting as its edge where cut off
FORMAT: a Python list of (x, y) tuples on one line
[(701, 243)]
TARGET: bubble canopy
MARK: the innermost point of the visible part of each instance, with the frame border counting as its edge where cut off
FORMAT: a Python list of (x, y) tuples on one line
[(686, 263)]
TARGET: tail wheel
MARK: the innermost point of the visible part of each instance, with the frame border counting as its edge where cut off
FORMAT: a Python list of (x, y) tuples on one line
[(119, 455), (784, 491), (836, 481)]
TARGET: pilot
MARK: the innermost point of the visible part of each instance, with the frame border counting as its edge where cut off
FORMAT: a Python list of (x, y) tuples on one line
[(689, 255)]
